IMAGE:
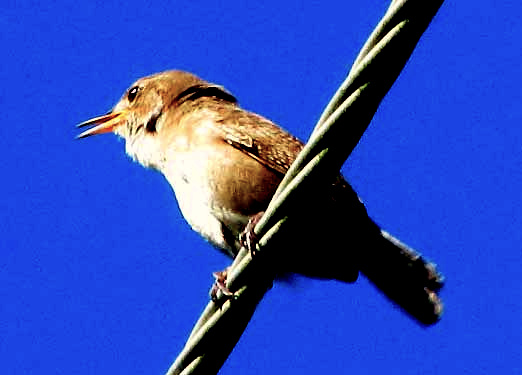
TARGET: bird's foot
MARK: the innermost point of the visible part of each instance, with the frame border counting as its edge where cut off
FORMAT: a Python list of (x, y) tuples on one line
[(248, 238), (220, 285)]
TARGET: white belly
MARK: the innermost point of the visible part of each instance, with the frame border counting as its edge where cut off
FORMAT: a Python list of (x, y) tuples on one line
[(188, 176)]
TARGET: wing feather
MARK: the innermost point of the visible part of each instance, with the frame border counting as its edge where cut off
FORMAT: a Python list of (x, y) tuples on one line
[(259, 138)]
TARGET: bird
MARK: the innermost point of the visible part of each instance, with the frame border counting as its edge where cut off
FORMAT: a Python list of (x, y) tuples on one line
[(224, 164)]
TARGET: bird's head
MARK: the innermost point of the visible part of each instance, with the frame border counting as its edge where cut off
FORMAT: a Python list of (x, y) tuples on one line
[(139, 115)]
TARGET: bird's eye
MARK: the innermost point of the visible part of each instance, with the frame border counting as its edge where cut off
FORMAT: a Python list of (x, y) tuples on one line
[(132, 93)]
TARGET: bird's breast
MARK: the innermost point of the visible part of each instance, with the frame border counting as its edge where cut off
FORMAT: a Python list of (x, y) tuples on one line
[(216, 184)]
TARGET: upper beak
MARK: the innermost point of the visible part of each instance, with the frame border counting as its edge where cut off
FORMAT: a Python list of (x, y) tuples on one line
[(104, 124)]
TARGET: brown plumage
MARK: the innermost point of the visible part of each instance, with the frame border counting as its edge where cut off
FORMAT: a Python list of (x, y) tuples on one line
[(225, 163)]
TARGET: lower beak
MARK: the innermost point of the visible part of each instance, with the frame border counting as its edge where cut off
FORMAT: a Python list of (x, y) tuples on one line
[(104, 124)]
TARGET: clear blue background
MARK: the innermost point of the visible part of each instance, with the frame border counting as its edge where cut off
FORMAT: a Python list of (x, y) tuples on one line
[(99, 274)]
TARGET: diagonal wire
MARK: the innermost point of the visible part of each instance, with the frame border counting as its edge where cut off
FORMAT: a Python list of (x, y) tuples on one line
[(336, 134)]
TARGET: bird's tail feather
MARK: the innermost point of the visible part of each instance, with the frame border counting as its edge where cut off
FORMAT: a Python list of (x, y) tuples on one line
[(404, 276)]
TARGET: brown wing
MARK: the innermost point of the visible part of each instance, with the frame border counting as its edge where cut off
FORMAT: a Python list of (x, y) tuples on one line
[(270, 145), (259, 138)]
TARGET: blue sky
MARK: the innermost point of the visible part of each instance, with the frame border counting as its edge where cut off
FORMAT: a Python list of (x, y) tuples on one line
[(99, 273)]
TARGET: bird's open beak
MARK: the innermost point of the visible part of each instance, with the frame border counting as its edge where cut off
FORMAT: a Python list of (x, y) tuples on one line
[(104, 124)]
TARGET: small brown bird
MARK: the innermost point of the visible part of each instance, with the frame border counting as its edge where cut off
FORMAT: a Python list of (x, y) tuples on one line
[(224, 165)]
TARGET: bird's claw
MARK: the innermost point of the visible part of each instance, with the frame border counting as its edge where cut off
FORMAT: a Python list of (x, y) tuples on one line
[(220, 285), (248, 238)]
